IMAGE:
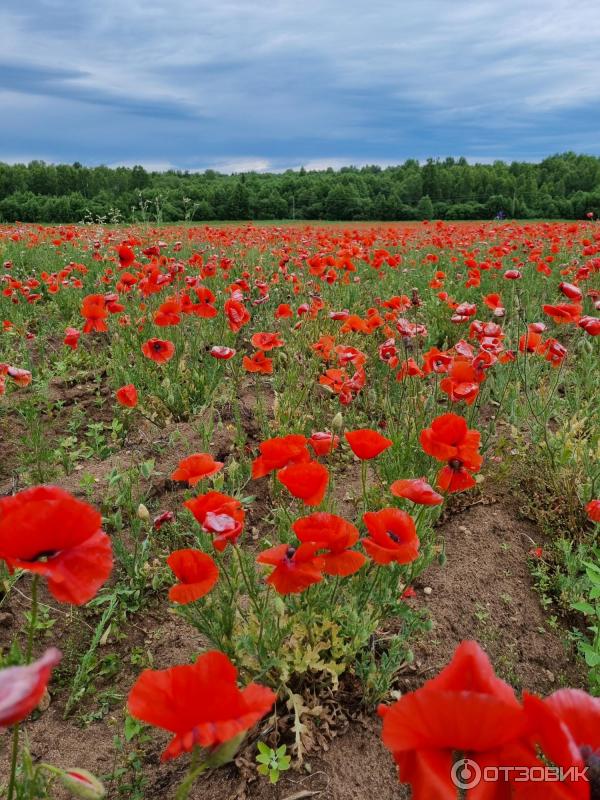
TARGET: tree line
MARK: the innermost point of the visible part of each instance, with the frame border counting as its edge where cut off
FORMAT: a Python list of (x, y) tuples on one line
[(565, 186)]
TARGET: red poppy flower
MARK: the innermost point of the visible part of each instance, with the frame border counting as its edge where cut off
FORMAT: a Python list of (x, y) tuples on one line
[(323, 443), (366, 443), (158, 350), (72, 338), (283, 311), (590, 325), (450, 440), (197, 573), (531, 341), (127, 396), (46, 531), (593, 510), (570, 290), (95, 312), (219, 514), (409, 369), (195, 468), (162, 519), (222, 352), (21, 688), (169, 313), (266, 341), (279, 452), (462, 382), (306, 481), (22, 377), (392, 536), (126, 255), (336, 536), (200, 703), (417, 490), (567, 727), (465, 708), (237, 314), (258, 363), (204, 308), (564, 313), (295, 568)]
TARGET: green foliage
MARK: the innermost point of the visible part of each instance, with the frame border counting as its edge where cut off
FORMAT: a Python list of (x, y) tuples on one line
[(562, 186), (272, 762)]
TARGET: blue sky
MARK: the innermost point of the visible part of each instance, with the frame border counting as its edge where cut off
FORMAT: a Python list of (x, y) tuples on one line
[(275, 84)]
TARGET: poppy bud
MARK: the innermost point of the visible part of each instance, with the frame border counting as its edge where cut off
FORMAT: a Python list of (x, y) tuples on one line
[(82, 783), (143, 513), (337, 423), (585, 345), (226, 752)]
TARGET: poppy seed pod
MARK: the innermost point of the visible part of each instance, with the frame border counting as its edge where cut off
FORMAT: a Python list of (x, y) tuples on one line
[(337, 423), (82, 783)]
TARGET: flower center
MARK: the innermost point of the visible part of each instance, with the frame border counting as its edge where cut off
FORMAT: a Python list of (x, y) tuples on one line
[(591, 759), (157, 347), (43, 556), (455, 464), (393, 537), (290, 553)]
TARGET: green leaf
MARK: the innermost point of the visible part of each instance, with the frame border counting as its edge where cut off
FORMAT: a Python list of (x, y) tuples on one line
[(585, 608), (264, 748)]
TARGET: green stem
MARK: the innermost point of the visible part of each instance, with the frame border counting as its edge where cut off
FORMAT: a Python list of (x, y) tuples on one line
[(33, 618), (194, 772), (363, 478), (249, 589), (372, 586), (13, 761)]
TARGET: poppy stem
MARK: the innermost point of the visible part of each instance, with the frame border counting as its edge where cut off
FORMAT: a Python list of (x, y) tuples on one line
[(372, 586), (187, 783), (13, 762), (249, 589), (363, 478), (33, 617)]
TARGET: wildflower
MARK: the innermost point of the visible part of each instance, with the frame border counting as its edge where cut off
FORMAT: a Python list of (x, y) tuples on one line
[(307, 481), (195, 468), (221, 352), (199, 703), (334, 535), (417, 490), (392, 536), (220, 515), (367, 443), (465, 708), (127, 396), (258, 363), (22, 687), (279, 452), (323, 443), (197, 574), (295, 568), (158, 350), (449, 440), (47, 531)]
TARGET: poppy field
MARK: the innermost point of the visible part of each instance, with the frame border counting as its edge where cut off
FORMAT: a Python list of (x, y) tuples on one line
[(295, 511)]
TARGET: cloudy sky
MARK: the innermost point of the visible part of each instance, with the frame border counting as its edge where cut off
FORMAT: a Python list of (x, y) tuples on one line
[(272, 84)]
